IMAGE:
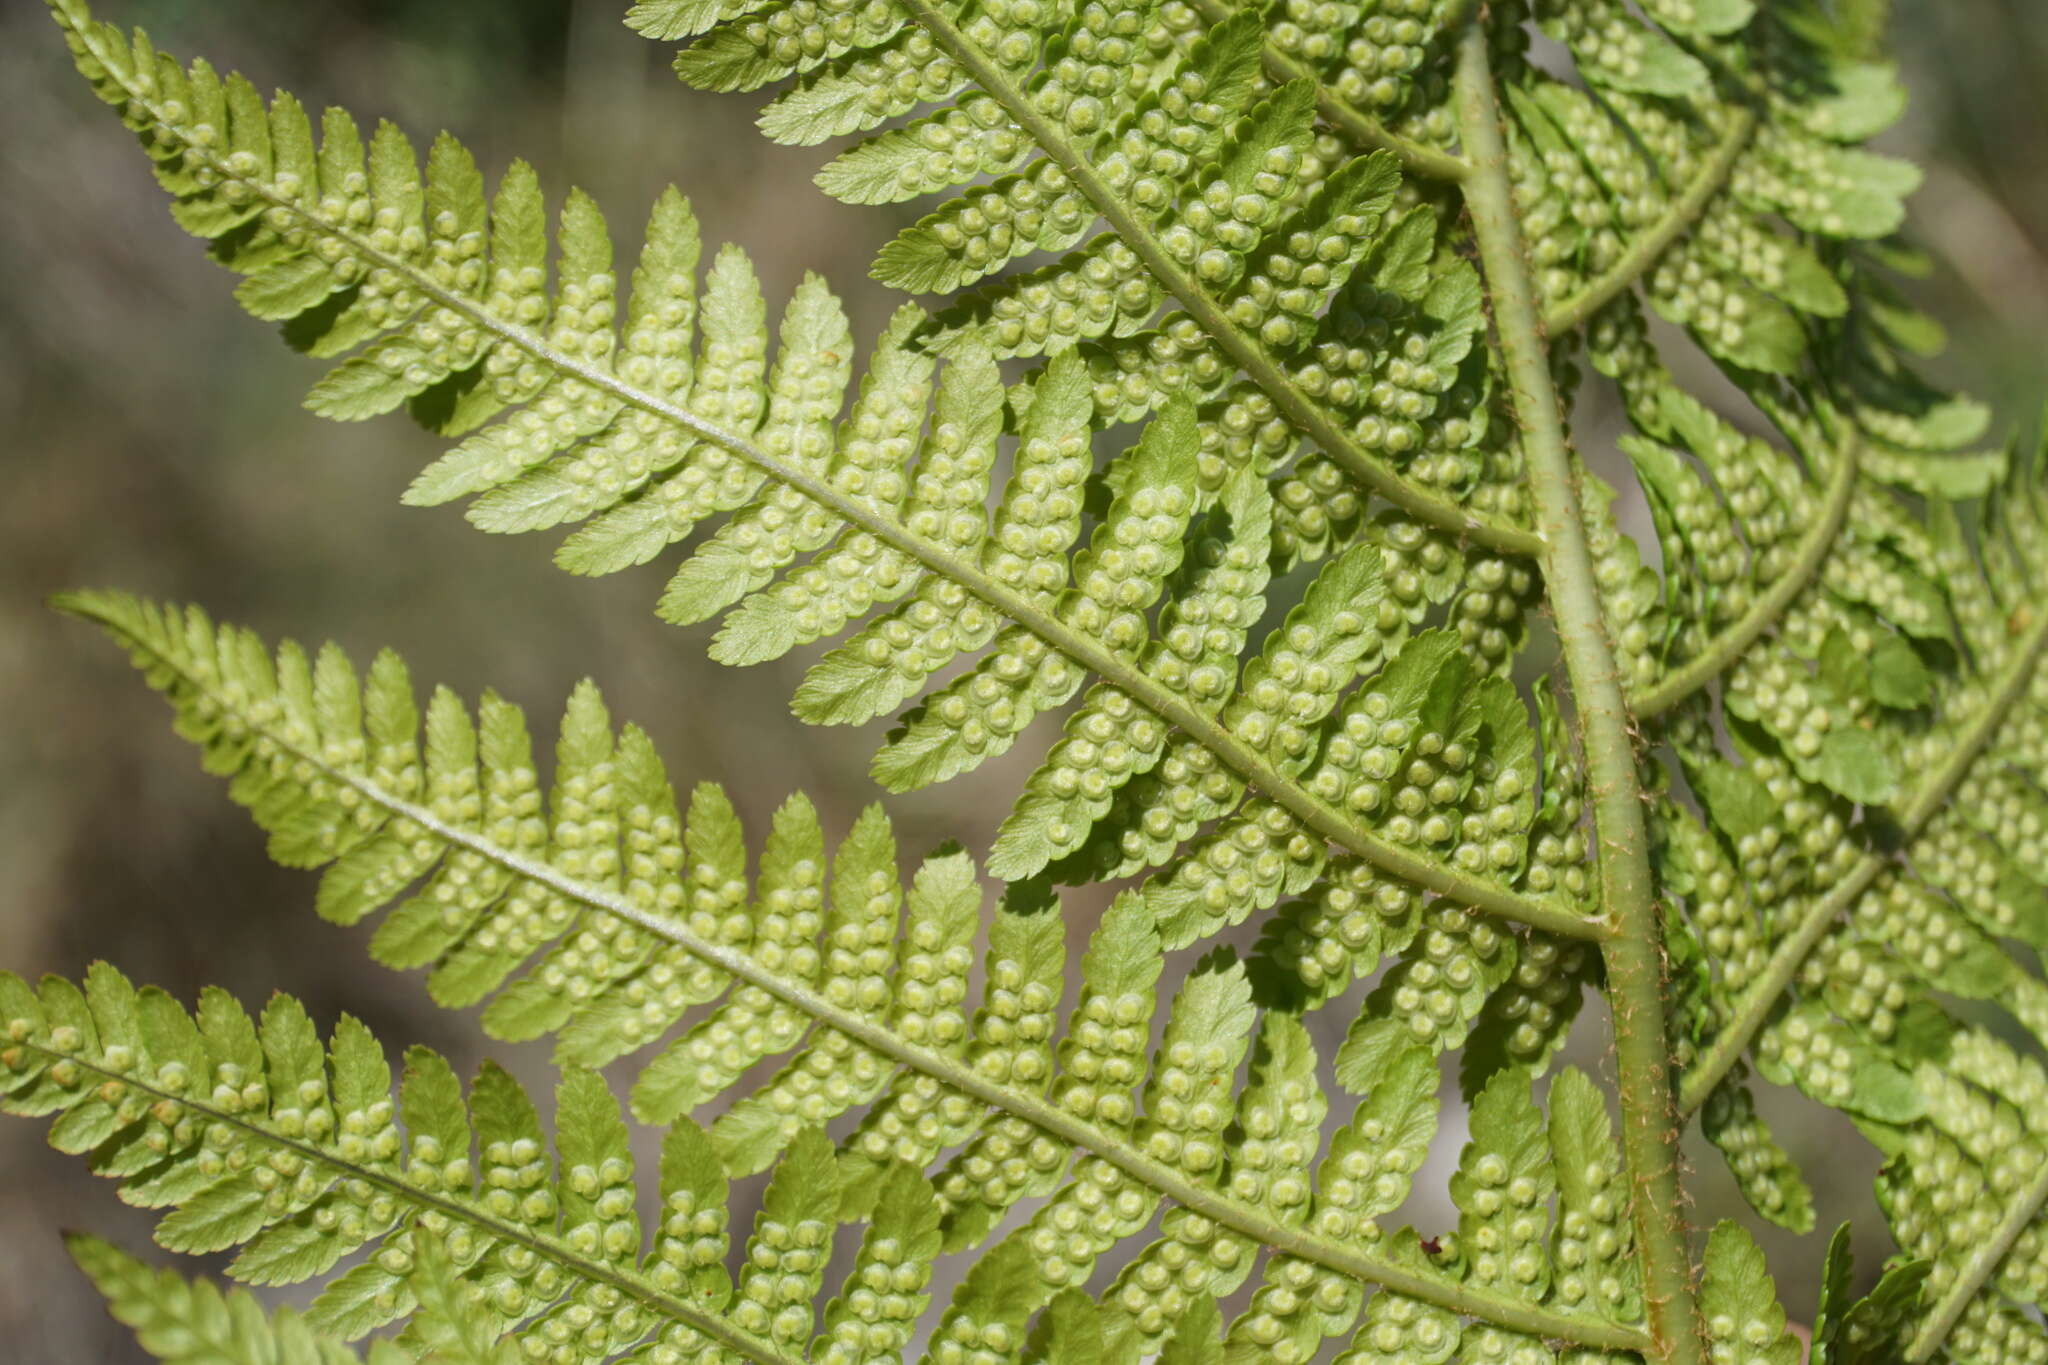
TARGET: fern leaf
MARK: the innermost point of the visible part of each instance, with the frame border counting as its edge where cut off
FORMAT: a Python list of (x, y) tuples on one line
[(1737, 1299), (1170, 216), (653, 915), (1503, 1188), (261, 1139), (1769, 1181), (1071, 164), (1869, 946), (621, 425), (177, 1320), (1976, 699), (1590, 1248), (874, 1317)]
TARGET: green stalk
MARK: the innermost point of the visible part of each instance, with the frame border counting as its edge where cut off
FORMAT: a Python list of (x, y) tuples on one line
[(1635, 954)]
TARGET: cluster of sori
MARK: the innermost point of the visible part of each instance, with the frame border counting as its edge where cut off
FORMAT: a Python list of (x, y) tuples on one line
[(1896, 707)]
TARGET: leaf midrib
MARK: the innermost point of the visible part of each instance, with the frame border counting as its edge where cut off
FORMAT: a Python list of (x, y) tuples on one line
[(1547, 914)]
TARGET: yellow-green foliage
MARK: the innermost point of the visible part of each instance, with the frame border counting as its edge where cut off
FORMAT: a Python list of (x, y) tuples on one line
[(1221, 474)]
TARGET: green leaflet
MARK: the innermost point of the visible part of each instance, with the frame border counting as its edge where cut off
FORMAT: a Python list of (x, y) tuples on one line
[(672, 19), (1397, 1329), (1075, 1328), (1504, 1184), (609, 972), (1768, 1179), (1739, 1303), (298, 1162), (1418, 739), (874, 1319), (648, 912), (178, 1321), (1590, 1249), (447, 1324), (1863, 1329), (793, 1230)]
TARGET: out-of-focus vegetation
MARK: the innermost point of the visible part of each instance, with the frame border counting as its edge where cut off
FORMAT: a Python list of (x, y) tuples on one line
[(152, 442)]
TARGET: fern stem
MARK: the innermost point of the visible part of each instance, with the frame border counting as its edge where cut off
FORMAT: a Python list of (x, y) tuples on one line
[(1244, 350), (1649, 247), (1548, 915), (1982, 1265), (1343, 1256), (1762, 995), (1635, 954), (1728, 645), (1416, 158), (632, 1285)]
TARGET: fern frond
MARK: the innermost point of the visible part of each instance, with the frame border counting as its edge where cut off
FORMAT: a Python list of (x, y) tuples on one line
[(1695, 141), (1953, 717), (1871, 945), (624, 426), (625, 916), (1685, 153), (1222, 205), (1825, 544), (257, 1137), (179, 1321), (1779, 567), (1244, 232), (1720, 174)]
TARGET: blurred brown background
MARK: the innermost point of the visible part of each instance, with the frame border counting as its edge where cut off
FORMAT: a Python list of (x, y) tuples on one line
[(153, 442)]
